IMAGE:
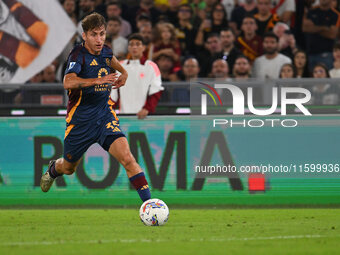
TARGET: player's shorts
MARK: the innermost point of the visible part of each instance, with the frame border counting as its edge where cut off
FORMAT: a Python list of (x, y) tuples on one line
[(79, 137)]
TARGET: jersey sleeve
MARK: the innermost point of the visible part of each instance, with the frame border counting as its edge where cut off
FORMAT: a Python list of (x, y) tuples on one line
[(74, 62), (156, 80)]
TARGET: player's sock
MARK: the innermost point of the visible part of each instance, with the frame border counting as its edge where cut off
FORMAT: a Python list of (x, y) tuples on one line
[(53, 172), (141, 185)]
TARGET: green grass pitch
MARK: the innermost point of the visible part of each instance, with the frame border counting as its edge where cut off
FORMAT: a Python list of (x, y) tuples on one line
[(189, 231)]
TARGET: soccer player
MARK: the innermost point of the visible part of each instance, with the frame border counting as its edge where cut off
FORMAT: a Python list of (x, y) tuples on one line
[(90, 117)]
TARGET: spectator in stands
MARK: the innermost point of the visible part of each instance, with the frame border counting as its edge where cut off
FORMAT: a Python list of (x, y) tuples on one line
[(100, 7), (86, 7), (335, 71), (172, 11), (69, 7), (114, 9), (19, 98), (287, 71), (146, 32), (185, 31), (49, 74), (217, 22), (143, 20), (249, 42), (287, 43), (142, 89), (230, 52), (188, 73), (321, 26), (284, 9), (118, 43), (220, 69), (264, 18), (242, 68), (166, 64), (320, 71), (269, 64), (167, 44), (249, 8), (190, 70), (210, 4), (212, 51), (300, 62), (323, 94), (144, 8)]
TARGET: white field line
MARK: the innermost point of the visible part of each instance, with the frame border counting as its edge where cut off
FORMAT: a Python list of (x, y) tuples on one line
[(162, 240)]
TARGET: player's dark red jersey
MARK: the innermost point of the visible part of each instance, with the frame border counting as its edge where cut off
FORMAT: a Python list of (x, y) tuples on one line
[(91, 103)]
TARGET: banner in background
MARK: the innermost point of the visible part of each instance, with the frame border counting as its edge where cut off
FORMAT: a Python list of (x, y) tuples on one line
[(161, 145), (32, 34)]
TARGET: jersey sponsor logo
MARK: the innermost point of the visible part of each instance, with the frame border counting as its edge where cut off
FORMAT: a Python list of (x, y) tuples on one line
[(71, 65), (94, 63)]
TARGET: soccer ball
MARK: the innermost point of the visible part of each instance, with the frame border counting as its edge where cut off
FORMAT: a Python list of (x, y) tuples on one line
[(154, 212)]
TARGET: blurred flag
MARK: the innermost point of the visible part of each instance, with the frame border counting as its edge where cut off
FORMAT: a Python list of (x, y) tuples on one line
[(32, 34)]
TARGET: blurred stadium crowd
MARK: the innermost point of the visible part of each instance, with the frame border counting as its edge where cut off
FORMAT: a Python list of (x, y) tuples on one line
[(221, 39)]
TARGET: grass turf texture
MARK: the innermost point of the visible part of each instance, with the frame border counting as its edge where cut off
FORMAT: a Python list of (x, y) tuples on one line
[(191, 231)]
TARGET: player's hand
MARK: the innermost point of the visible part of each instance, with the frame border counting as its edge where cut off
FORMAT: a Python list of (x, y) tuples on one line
[(120, 81), (111, 78), (142, 113)]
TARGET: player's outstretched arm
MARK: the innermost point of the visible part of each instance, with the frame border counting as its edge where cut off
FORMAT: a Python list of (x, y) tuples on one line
[(124, 75), (72, 81)]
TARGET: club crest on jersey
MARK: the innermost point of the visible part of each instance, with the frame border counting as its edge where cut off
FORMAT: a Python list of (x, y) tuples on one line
[(94, 63), (108, 62), (101, 71)]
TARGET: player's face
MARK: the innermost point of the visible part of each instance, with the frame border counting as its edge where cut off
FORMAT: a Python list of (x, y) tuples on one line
[(136, 49), (270, 45), (94, 39)]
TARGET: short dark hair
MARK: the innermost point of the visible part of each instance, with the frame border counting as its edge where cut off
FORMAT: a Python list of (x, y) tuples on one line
[(249, 16), (93, 20), (116, 19), (188, 6), (227, 29), (242, 56), (143, 17), (114, 3), (212, 35), (271, 35), (137, 37), (336, 46)]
